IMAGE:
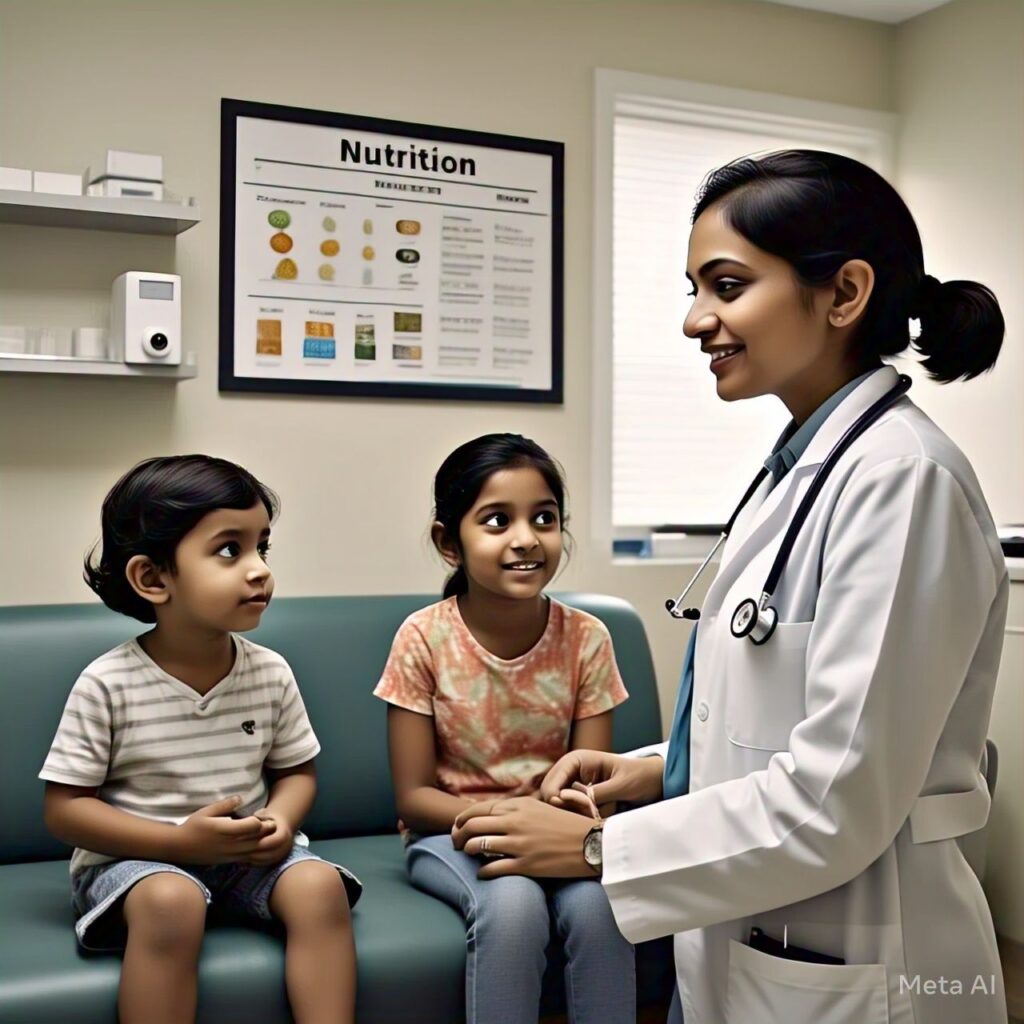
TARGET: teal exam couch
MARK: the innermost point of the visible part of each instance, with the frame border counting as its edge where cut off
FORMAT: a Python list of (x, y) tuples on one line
[(411, 948)]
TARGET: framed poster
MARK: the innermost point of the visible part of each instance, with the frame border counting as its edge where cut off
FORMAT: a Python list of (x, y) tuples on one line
[(367, 257)]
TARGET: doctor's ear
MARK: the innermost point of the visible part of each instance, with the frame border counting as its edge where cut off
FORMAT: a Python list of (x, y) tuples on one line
[(446, 547), (853, 283), (146, 579)]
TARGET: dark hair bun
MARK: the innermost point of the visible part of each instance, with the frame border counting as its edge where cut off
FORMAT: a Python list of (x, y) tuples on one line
[(962, 328)]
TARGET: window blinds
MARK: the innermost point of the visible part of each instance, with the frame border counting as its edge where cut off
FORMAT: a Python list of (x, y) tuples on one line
[(680, 455)]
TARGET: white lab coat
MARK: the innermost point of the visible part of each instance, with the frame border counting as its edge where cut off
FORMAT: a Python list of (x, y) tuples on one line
[(833, 767)]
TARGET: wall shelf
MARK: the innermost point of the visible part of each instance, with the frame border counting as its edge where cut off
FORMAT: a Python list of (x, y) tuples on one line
[(96, 367), (135, 216)]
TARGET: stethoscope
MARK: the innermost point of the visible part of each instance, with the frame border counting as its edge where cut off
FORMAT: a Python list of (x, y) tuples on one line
[(757, 620)]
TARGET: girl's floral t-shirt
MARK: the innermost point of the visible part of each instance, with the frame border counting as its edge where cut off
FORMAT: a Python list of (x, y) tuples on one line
[(500, 724)]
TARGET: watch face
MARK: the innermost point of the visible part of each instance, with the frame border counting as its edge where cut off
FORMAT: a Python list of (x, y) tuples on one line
[(592, 848)]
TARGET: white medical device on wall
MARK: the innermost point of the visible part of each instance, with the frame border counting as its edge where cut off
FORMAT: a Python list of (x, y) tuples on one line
[(145, 318)]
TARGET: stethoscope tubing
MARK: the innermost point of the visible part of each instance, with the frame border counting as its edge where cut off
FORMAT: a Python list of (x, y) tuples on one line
[(759, 620), (865, 420), (692, 613)]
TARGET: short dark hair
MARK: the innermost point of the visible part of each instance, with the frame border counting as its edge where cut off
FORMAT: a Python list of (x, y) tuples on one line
[(462, 476), (152, 507), (817, 210)]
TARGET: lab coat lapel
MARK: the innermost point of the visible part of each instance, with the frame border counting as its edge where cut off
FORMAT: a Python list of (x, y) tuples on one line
[(848, 412), (764, 520)]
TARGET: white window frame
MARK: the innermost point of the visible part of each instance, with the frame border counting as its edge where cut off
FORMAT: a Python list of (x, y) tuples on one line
[(700, 104)]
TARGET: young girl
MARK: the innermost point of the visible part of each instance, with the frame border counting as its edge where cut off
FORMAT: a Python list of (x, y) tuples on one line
[(182, 767), (487, 689)]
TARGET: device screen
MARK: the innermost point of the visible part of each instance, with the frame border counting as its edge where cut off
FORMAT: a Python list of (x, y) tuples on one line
[(156, 289)]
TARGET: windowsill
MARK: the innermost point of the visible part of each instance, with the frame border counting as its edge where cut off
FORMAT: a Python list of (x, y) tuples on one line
[(633, 560), (663, 548)]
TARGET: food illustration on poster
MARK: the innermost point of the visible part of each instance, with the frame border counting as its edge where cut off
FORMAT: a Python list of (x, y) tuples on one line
[(361, 256)]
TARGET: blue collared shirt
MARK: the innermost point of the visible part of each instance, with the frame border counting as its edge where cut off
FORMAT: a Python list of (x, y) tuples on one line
[(785, 455)]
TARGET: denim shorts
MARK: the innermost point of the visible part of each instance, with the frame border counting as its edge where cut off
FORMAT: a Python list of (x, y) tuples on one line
[(242, 890)]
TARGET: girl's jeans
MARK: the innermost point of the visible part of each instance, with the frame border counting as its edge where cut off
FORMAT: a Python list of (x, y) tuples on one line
[(508, 924)]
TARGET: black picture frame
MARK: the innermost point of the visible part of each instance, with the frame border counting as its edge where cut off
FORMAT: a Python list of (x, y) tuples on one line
[(228, 380)]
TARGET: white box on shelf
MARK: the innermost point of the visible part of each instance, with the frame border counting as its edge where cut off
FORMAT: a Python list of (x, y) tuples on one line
[(113, 188), (56, 184), (120, 163), (18, 179)]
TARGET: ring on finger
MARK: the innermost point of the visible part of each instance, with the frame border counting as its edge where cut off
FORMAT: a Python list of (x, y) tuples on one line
[(485, 847)]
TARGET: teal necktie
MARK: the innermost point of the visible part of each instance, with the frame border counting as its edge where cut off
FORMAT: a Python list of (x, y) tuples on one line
[(677, 760)]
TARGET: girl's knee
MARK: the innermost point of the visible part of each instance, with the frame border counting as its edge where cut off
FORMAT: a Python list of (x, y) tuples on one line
[(514, 909), (166, 911), (583, 905)]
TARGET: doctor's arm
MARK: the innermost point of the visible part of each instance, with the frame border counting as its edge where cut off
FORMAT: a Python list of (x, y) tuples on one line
[(907, 584)]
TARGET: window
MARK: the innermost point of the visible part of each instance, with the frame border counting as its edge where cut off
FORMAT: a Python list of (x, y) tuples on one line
[(667, 450)]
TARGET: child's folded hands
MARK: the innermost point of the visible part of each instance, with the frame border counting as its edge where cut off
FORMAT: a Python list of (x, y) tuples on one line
[(274, 846), (212, 836)]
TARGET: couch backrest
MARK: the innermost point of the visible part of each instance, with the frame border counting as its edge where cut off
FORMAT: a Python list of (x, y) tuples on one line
[(337, 647)]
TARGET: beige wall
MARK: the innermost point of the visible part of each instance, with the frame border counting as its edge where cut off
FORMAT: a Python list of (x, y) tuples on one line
[(960, 89), (354, 474), (960, 96)]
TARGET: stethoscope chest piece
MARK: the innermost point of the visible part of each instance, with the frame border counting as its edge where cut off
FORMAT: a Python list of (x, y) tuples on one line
[(757, 623)]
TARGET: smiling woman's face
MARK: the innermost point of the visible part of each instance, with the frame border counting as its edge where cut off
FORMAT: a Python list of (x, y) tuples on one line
[(749, 308)]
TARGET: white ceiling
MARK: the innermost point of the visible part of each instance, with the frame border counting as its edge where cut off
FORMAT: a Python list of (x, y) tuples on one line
[(891, 11)]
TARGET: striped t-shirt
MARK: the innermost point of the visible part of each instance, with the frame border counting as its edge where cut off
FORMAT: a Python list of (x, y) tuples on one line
[(154, 747)]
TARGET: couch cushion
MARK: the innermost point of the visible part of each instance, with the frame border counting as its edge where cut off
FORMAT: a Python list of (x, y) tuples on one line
[(409, 946), (406, 942)]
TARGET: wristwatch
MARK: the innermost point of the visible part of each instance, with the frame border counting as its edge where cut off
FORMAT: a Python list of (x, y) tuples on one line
[(592, 842)]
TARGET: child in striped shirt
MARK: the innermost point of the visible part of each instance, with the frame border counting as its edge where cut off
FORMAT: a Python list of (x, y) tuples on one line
[(182, 766)]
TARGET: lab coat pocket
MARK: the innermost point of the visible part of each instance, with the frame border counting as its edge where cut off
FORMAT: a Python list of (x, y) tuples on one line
[(765, 687), (770, 990)]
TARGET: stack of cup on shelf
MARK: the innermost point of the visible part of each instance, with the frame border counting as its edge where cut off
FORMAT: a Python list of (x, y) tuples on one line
[(62, 342)]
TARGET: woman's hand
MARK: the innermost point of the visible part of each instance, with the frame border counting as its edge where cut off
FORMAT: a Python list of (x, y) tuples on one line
[(526, 837), (604, 777)]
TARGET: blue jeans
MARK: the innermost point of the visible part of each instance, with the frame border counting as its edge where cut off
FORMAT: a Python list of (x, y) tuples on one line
[(508, 925)]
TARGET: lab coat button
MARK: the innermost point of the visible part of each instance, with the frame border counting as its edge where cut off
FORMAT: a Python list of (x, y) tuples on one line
[(703, 710)]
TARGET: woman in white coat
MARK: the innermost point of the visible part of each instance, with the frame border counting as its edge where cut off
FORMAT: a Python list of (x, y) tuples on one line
[(798, 833)]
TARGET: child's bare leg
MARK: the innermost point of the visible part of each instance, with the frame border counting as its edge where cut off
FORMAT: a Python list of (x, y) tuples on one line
[(166, 917), (320, 955)]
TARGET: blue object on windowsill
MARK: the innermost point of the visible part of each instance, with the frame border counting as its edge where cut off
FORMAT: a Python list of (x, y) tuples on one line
[(632, 547)]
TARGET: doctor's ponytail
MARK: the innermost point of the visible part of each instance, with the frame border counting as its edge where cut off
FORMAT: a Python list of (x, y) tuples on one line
[(817, 211), (961, 328)]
